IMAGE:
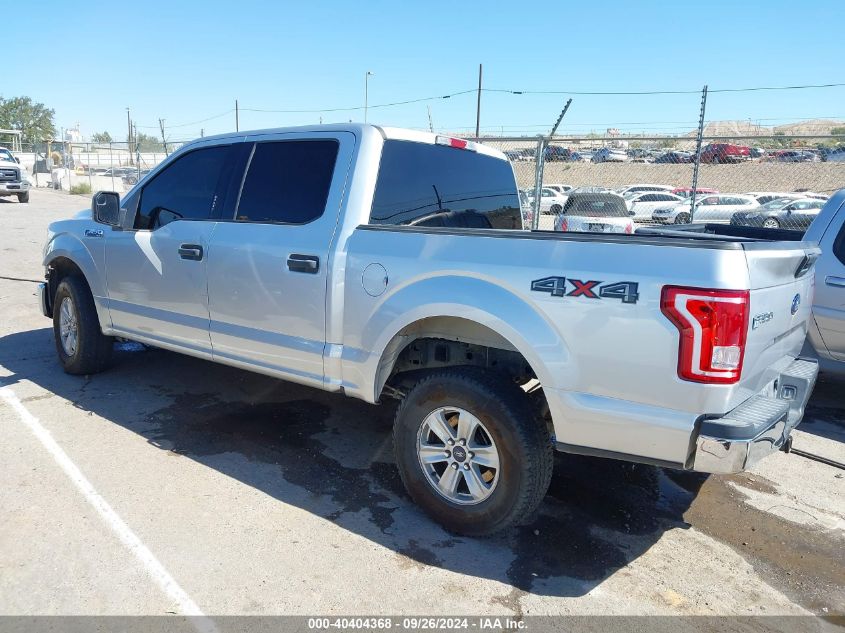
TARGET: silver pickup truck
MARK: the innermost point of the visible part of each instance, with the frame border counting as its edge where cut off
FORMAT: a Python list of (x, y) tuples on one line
[(382, 262)]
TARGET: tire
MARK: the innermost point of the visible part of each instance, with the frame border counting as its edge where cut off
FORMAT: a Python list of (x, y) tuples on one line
[(73, 310), (23, 197), (519, 440), (771, 223), (682, 218), (556, 209)]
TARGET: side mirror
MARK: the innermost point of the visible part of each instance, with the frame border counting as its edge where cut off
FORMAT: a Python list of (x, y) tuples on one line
[(17, 160), (106, 207)]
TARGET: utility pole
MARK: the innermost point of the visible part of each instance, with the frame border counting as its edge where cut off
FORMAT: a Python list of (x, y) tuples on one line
[(478, 107), (137, 150), (366, 92), (202, 132), (163, 140), (697, 162), (430, 124), (237, 117), (129, 135)]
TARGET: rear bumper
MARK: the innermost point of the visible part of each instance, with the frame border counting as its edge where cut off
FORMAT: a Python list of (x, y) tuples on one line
[(759, 426)]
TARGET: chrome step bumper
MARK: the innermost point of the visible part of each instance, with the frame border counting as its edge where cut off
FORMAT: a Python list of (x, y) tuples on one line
[(759, 426)]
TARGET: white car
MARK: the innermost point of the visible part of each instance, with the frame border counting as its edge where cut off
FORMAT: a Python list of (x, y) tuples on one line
[(562, 189), (716, 208), (644, 203), (608, 155), (639, 188), (595, 213), (551, 201)]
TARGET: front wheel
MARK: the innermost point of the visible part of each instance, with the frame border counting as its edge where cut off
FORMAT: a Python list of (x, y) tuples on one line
[(771, 223), (471, 452), (81, 346), (23, 197), (682, 218)]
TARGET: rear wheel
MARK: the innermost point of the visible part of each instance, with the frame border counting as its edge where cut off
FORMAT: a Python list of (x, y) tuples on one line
[(471, 452), (771, 223), (682, 218), (23, 197), (716, 159), (80, 344)]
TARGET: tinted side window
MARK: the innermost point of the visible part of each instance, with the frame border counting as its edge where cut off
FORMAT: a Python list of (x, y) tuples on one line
[(184, 190), (288, 182), (433, 185), (839, 242)]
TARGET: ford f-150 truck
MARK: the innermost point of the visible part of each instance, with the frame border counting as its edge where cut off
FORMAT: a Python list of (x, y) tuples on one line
[(382, 262), (13, 178)]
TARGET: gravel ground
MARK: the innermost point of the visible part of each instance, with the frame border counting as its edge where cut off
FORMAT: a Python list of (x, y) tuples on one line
[(261, 497)]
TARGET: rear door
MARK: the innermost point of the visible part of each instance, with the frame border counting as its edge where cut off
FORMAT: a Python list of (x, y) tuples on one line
[(268, 270)]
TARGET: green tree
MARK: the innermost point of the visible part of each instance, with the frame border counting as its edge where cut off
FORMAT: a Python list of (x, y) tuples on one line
[(838, 130), (101, 137), (146, 143), (34, 120)]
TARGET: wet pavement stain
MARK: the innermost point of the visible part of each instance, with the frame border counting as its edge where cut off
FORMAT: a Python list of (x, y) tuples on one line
[(278, 433), (805, 563)]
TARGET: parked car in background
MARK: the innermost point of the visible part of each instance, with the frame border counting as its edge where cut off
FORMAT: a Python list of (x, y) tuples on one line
[(608, 155), (14, 181), (716, 209), (563, 189), (758, 152), (134, 176), (686, 192), (551, 201), (674, 158), (763, 197), (554, 153), (835, 155), (787, 213), (644, 203), (639, 188), (826, 333), (725, 153), (796, 156), (595, 213)]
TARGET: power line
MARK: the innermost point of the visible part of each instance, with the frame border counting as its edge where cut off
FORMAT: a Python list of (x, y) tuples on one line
[(351, 109), (658, 92), (211, 118)]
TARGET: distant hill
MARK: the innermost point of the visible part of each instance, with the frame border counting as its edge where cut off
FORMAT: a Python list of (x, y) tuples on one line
[(749, 128)]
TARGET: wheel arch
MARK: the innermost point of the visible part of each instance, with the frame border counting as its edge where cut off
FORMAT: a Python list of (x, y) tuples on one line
[(66, 255), (467, 310)]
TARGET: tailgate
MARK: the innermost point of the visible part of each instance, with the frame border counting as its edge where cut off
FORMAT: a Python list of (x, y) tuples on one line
[(781, 284)]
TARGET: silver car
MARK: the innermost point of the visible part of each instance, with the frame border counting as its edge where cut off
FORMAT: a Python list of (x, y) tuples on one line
[(827, 329)]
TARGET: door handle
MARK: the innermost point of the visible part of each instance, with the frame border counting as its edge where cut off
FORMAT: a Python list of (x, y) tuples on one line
[(303, 263), (839, 282), (190, 251)]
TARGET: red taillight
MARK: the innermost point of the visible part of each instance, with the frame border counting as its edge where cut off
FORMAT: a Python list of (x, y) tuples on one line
[(630, 228), (564, 225), (713, 325), (457, 143)]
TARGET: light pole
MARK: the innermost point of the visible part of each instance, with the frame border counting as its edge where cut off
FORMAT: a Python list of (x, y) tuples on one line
[(366, 92)]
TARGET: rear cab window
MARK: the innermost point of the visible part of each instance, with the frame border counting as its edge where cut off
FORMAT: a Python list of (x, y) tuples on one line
[(433, 185)]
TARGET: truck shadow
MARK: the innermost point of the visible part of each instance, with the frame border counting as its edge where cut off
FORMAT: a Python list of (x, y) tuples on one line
[(332, 456)]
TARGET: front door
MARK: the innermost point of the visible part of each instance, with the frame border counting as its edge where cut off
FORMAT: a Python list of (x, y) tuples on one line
[(269, 262), (156, 271)]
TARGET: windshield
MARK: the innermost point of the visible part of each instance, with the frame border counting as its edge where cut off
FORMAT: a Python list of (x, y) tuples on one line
[(596, 206), (6, 155)]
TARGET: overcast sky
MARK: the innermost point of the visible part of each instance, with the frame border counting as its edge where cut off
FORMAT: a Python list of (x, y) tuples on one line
[(188, 60)]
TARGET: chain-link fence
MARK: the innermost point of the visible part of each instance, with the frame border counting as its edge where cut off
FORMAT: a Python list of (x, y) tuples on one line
[(87, 166), (763, 181)]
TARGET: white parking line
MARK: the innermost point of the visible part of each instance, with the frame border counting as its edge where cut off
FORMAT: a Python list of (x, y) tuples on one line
[(154, 568)]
